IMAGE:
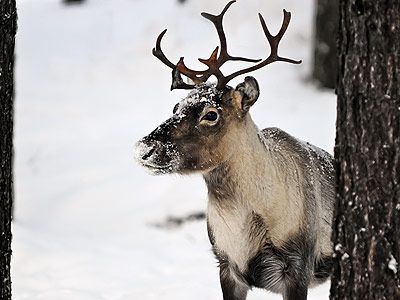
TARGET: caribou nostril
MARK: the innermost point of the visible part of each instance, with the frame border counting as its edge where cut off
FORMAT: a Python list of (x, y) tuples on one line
[(148, 154)]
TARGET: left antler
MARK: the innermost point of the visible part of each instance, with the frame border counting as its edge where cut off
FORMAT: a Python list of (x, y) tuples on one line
[(215, 61)]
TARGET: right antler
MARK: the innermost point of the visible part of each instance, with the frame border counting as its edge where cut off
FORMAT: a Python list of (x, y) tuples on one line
[(215, 62)]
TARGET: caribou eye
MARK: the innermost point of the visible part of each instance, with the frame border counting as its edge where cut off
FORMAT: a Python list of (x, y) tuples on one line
[(211, 116)]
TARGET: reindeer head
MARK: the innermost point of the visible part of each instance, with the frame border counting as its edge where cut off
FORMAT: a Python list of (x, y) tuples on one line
[(197, 136)]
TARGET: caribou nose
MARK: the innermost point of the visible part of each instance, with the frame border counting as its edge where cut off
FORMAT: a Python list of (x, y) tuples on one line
[(149, 153), (143, 151)]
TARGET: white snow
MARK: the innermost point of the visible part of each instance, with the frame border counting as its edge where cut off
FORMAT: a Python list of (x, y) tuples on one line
[(392, 264), (345, 256), (204, 92), (88, 88)]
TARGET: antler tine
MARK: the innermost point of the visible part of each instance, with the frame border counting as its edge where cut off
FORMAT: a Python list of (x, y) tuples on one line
[(217, 21), (274, 44), (274, 40), (157, 51), (177, 81), (285, 24), (214, 62)]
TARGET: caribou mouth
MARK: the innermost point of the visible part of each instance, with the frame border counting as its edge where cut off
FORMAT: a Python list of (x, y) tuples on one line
[(155, 169)]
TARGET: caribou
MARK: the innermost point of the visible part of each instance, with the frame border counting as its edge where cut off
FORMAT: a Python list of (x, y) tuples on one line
[(270, 195)]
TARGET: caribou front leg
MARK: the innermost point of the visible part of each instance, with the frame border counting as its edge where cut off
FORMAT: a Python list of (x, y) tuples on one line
[(295, 293), (231, 288)]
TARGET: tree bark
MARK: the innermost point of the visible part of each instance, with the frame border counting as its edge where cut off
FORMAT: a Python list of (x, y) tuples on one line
[(7, 41), (366, 232), (325, 49)]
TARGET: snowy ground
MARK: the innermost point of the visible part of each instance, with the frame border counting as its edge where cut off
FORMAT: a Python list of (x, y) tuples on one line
[(87, 89)]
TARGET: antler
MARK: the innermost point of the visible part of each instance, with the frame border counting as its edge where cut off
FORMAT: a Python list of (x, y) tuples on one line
[(274, 44), (215, 61)]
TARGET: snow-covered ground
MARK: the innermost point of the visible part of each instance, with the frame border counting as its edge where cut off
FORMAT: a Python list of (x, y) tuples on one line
[(87, 89)]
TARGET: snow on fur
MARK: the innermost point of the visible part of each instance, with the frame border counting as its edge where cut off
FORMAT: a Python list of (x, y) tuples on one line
[(204, 92)]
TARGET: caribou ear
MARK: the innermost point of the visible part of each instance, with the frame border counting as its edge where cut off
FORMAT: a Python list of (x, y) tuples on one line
[(249, 91)]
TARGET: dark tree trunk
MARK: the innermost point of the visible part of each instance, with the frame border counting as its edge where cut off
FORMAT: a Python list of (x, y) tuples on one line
[(70, 2), (367, 225), (8, 27), (325, 49)]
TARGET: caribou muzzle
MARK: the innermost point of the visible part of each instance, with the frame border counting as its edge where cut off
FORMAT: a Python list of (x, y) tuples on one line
[(156, 156)]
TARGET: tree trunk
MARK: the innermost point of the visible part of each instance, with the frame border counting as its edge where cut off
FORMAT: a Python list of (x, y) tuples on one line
[(325, 53), (70, 2), (8, 17), (366, 230)]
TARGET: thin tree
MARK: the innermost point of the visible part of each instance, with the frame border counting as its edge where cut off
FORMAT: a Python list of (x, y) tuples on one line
[(367, 226), (8, 27), (71, 2), (325, 52)]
